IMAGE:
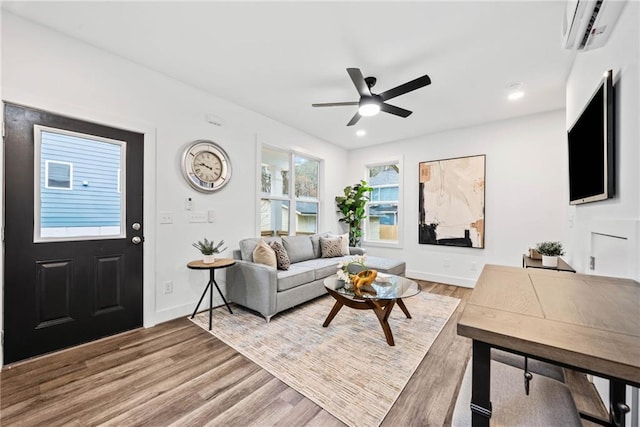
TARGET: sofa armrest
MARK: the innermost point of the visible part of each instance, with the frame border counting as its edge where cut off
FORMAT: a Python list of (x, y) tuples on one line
[(254, 286), (357, 251)]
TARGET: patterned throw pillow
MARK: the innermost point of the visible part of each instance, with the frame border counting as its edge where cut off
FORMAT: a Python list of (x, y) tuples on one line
[(345, 243), (282, 259), (263, 254), (330, 247)]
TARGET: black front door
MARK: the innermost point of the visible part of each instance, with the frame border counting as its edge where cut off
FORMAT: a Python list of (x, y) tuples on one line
[(73, 231)]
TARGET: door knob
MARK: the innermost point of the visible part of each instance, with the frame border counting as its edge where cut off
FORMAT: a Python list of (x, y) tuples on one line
[(136, 240)]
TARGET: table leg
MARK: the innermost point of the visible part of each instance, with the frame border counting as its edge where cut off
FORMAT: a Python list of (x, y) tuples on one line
[(201, 298), (481, 384), (403, 308), (210, 302), (617, 407), (212, 279), (383, 317), (336, 308)]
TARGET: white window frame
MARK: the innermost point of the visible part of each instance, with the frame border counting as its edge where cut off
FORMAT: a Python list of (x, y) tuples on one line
[(46, 175), (386, 243), (292, 198)]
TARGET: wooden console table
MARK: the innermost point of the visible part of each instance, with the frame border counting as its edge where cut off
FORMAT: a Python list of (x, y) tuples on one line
[(528, 262), (586, 323)]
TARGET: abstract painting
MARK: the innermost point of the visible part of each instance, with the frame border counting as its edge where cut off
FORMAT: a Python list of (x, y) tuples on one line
[(451, 202)]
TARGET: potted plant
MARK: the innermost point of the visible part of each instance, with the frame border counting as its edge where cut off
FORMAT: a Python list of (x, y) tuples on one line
[(208, 249), (550, 252), (352, 207)]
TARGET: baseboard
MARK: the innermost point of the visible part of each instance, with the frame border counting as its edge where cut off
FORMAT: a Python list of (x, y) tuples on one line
[(174, 312), (439, 278)]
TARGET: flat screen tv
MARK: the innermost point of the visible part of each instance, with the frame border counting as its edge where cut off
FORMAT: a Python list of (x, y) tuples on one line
[(591, 148)]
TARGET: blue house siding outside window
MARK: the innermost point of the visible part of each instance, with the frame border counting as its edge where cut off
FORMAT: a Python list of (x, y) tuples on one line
[(92, 197)]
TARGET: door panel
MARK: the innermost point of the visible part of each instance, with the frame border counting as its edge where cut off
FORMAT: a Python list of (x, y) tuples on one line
[(67, 280)]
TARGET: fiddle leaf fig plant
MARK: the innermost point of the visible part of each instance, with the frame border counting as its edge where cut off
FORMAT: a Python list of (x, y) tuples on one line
[(352, 206)]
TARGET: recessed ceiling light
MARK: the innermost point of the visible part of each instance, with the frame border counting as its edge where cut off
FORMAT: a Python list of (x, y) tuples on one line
[(514, 91), (515, 95), (361, 132)]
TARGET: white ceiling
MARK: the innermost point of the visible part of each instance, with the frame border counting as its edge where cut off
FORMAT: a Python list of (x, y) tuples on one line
[(277, 58)]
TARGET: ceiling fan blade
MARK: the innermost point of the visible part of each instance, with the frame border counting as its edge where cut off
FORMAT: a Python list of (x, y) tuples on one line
[(392, 109), (358, 80), (404, 88), (335, 104), (354, 119)]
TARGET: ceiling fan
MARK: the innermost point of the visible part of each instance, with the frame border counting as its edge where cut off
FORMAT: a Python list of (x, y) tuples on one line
[(370, 103)]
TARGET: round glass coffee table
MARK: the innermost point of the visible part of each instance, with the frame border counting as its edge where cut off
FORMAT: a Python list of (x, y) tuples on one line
[(380, 296)]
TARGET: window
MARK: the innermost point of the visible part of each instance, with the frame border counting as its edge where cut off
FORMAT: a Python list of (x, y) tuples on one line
[(58, 175), (77, 191), (383, 220), (283, 213)]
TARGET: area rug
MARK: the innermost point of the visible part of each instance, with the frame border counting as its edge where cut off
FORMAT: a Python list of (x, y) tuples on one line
[(347, 368)]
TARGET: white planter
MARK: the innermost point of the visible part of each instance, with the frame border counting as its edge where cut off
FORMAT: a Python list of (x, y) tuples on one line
[(549, 261), (208, 259)]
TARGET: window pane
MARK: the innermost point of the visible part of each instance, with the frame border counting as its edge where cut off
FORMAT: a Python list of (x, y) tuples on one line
[(306, 177), (274, 217), (382, 221), (306, 218), (58, 175), (79, 194), (275, 169)]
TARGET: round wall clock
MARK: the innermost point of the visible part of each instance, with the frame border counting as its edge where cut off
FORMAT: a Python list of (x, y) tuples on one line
[(206, 166)]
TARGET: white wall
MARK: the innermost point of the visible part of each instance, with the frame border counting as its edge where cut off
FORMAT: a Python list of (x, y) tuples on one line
[(47, 70), (619, 216), (525, 199)]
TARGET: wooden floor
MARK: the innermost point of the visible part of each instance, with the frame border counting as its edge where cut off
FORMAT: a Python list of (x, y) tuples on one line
[(178, 374)]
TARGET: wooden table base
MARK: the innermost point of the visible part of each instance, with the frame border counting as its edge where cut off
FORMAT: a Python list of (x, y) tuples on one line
[(382, 309)]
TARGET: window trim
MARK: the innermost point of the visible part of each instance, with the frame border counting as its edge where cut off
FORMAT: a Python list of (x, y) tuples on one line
[(386, 243)]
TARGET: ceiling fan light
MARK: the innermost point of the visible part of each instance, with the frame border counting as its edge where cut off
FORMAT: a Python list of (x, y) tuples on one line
[(369, 109)]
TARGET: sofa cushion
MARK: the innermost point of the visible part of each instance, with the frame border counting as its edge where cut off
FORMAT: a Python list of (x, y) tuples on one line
[(295, 276), (248, 245), (322, 267), (386, 265), (315, 242), (282, 259), (263, 254), (299, 248)]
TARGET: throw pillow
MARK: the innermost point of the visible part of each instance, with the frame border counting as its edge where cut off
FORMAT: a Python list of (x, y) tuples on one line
[(344, 246), (331, 247), (263, 254), (282, 259)]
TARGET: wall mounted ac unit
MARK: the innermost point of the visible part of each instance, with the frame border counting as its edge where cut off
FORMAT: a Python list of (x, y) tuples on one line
[(588, 23)]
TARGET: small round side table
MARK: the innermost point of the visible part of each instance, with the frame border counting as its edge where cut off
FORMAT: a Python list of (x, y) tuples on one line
[(212, 267)]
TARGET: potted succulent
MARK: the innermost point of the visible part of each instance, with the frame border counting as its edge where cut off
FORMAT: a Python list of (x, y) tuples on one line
[(208, 249), (352, 206), (550, 252)]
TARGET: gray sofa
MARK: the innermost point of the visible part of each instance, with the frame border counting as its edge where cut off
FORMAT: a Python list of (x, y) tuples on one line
[(269, 291)]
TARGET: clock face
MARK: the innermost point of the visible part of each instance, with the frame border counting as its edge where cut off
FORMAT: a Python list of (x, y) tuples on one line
[(206, 166)]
